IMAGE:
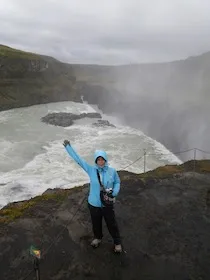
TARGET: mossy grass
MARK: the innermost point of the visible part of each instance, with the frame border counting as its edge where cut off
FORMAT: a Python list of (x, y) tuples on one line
[(17, 209), (6, 51), (199, 166)]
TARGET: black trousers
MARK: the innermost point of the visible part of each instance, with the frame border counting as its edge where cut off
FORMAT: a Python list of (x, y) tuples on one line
[(97, 214)]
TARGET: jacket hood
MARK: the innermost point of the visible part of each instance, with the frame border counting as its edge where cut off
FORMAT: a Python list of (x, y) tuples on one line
[(100, 153)]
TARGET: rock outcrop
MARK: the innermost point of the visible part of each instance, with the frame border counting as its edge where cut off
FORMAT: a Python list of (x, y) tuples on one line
[(66, 119), (103, 123), (163, 216)]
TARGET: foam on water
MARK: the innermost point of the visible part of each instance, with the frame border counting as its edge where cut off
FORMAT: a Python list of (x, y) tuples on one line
[(51, 167), (6, 115), (73, 107)]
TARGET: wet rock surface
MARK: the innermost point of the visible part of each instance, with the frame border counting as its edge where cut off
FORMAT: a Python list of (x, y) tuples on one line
[(164, 223)]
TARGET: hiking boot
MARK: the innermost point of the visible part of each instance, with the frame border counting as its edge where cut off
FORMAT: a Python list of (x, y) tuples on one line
[(118, 248), (95, 243)]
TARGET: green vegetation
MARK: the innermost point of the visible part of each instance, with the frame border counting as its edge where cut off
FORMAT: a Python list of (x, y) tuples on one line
[(9, 214), (27, 79), (13, 53), (16, 210), (199, 166)]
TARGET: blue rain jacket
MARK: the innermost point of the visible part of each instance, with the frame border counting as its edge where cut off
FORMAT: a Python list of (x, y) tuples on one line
[(109, 176)]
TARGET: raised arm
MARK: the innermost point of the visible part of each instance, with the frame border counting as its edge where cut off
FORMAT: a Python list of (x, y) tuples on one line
[(76, 157), (116, 187)]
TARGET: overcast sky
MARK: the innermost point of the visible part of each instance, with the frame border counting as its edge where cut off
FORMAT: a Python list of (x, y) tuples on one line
[(107, 32)]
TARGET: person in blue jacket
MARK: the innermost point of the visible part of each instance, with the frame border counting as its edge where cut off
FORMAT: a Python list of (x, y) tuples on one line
[(110, 180)]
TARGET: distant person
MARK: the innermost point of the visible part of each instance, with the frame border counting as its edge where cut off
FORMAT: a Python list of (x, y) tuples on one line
[(104, 187)]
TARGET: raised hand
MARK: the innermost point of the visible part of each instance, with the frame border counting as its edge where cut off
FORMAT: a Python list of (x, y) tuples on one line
[(66, 143)]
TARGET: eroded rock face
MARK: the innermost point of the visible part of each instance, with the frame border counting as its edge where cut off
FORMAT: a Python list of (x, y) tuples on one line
[(66, 119), (164, 225)]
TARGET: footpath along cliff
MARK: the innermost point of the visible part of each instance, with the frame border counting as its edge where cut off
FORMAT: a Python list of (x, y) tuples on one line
[(164, 217)]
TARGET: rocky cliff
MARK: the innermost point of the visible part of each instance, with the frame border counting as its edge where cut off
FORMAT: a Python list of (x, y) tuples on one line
[(168, 101), (163, 216), (28, 79)]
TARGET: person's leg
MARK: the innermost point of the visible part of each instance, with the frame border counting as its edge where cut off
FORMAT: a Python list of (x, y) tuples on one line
[(110, 219), (96, 218)]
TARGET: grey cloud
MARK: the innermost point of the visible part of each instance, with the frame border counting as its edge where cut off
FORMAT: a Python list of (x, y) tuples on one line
[(118, 31)]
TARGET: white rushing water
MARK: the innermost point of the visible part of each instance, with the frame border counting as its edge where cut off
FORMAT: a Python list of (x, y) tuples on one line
[(33, 159)]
